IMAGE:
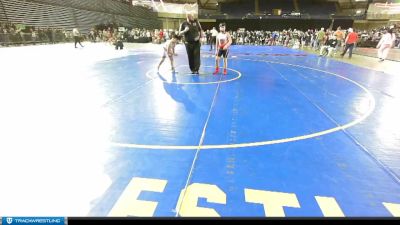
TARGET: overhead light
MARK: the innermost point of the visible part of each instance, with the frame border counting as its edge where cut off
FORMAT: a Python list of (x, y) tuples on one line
[(358, 11)]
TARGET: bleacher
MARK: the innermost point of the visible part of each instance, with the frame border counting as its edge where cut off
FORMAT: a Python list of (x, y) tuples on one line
[(317, 7), (240, 9), (3, 15), (286, 6), (237, 9), (311, 9), (107, 6), (75, 13)]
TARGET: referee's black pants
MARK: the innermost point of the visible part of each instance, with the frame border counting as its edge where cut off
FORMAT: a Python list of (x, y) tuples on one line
[(193, 53)]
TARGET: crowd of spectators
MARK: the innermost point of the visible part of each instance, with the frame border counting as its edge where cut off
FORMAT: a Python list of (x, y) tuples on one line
[(370, 38), (18, 33), (110, 32), (12, 34), (299, 38)]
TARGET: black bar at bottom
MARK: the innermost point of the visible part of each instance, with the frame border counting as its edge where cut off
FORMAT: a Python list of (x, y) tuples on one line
[(230, 220)]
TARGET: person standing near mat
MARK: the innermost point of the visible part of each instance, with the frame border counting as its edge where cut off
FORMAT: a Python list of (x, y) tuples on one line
[(339, 37), (350, 41), (223, 43), (214, 34), (77, 36), (385, 44), (192, 31)]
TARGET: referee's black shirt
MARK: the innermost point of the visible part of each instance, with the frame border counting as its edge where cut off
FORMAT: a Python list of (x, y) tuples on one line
[(193, 34)]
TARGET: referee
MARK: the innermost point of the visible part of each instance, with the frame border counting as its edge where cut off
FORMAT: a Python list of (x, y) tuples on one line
[(192, 31)]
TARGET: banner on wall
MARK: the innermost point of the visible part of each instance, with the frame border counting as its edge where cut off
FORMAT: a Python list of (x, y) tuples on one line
[(174, 8), (383, 11)]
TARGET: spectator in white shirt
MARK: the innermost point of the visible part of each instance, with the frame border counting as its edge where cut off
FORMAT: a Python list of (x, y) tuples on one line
[(77, 36), (385, 44), (214, 34)]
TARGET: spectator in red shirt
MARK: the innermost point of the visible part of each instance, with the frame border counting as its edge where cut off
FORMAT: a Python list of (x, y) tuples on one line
[(161, 35), (350, 41)]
